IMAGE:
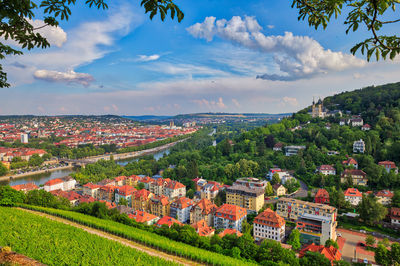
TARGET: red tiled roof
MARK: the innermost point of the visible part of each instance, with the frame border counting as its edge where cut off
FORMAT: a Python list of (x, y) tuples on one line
[(352, 172), (109, 205), (206, 206), (352, 192), (25, 187), (330, 253), (230, 231), (388, 164), (326, 167), (269, 218), (53, 182), (350, 161), (168, 221), (92, 186), (182, 203), (141, 194), (126, 190), (174, 185), (142, 217), (384, 193), (322, 193), (202, 228), (231, 212)]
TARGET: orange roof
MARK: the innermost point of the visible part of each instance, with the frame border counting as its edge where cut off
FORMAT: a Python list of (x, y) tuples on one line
[(160, 199), (175, 185), (230, 231), (330, 253), (202, 228), (384, 193), (388, 164), (108, 188), (182, 203), (120, 178), (126, 190), (231, 212), (350, 161), (25, 187), (352, 192), (142, 194), (322, 193), (92, 186), (168, 221), (53, 182), (142, 217), (109, 205), (206, 206), (270, 218)]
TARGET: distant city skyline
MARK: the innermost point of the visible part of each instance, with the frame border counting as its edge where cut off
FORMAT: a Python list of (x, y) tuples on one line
[(237, 57)]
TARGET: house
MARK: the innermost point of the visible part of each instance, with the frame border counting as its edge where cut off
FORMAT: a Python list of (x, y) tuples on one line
[(328, 126), (293, 150), (124, 192), (159, 206), (230, 231), (120, 180), (132, 180), (203, 210), (278, 146), (106, 182), (353, 196), (326, 169), (316, 222), (279, 190), (180, 209), (107, 193), (358, 177), (284, 176), (384, 197), (199, 183), (350, 162), (395, 216), (54, 184), (144, 217), (141, 200), (174, 189), (169, 221), (92, 190), (269, 225), (389, 165), (331, 153), (342, 122), (210, 190), (322, 196), (109, 205), (203, 229), (358, 146), (272, 171), (25, 187), (71, 196), (331, 253), (366, 127), (357, 122), (229, 216)]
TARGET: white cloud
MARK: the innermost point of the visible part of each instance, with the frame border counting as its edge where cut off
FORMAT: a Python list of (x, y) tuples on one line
[(64, 77), (54, 35), (147, 58), (236, 103), (184, 69), (290, 100), (210, 104), (297, 57), (270, 26)]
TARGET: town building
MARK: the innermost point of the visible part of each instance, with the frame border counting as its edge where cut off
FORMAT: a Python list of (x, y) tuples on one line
[(358, 177), (159, 206), (25, 187), (107, 193), (317, 109), (358, 146), (278, 146), (168, 221), (316, 222), (353, 196), (73, 197), (389, 165), (65, 184), (180, 209), (293, 150), (124, 192), (141, 200), (326, 169), (366, 127), (357, 122), (269, 225), (144, 217), (384, 197), (92, 190), (24, 138), (249, 197), (322, 196), (279, 190), (230, 231), (203, 229), (203, 210), (199, 183), (229, 216), (350, 162), (210, 190), (395, 216), (331, 253)]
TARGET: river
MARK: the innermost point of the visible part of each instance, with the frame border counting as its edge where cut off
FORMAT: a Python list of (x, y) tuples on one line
[(40, 179)]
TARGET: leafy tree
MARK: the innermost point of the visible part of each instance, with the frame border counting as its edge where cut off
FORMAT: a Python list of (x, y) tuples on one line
[(294, 239), (382, 255), (35, 160), (45, 199), (123, 201), (17, 16), (292, 185), (331, 242), (275, 179), (269, 191), (395, 253), (385, 242), (3, 169), (10, 196), (314, 258), (370, 14), (370, 240), (370, 210)]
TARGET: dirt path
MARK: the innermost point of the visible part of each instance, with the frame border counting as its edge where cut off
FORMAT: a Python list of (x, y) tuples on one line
[(131, 244)]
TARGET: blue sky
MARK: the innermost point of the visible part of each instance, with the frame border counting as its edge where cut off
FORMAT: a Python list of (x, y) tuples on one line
[(118, 61)]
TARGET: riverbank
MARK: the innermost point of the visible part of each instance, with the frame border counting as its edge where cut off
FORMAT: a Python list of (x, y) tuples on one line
[(16, 176)]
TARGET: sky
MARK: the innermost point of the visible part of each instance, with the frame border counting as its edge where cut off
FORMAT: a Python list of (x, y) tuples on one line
[(225, 56)]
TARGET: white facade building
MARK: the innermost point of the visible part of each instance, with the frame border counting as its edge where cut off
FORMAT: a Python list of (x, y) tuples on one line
[(269, 225)]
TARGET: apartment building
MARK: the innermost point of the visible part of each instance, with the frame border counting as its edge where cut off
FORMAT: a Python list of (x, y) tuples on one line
[(229, 216), (395, 216), (141, 200), (203, 210), (124, 192), (316, 222), (293, 150), (180, 209), (358, 177), (269, 225), (359, 146), (249, 197), (159, 206), (326, 169)]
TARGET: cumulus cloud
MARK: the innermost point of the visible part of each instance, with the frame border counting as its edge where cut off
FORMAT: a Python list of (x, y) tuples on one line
[(210, 104), (64, 77), (147, 58), (297, 57), (54, 35)]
